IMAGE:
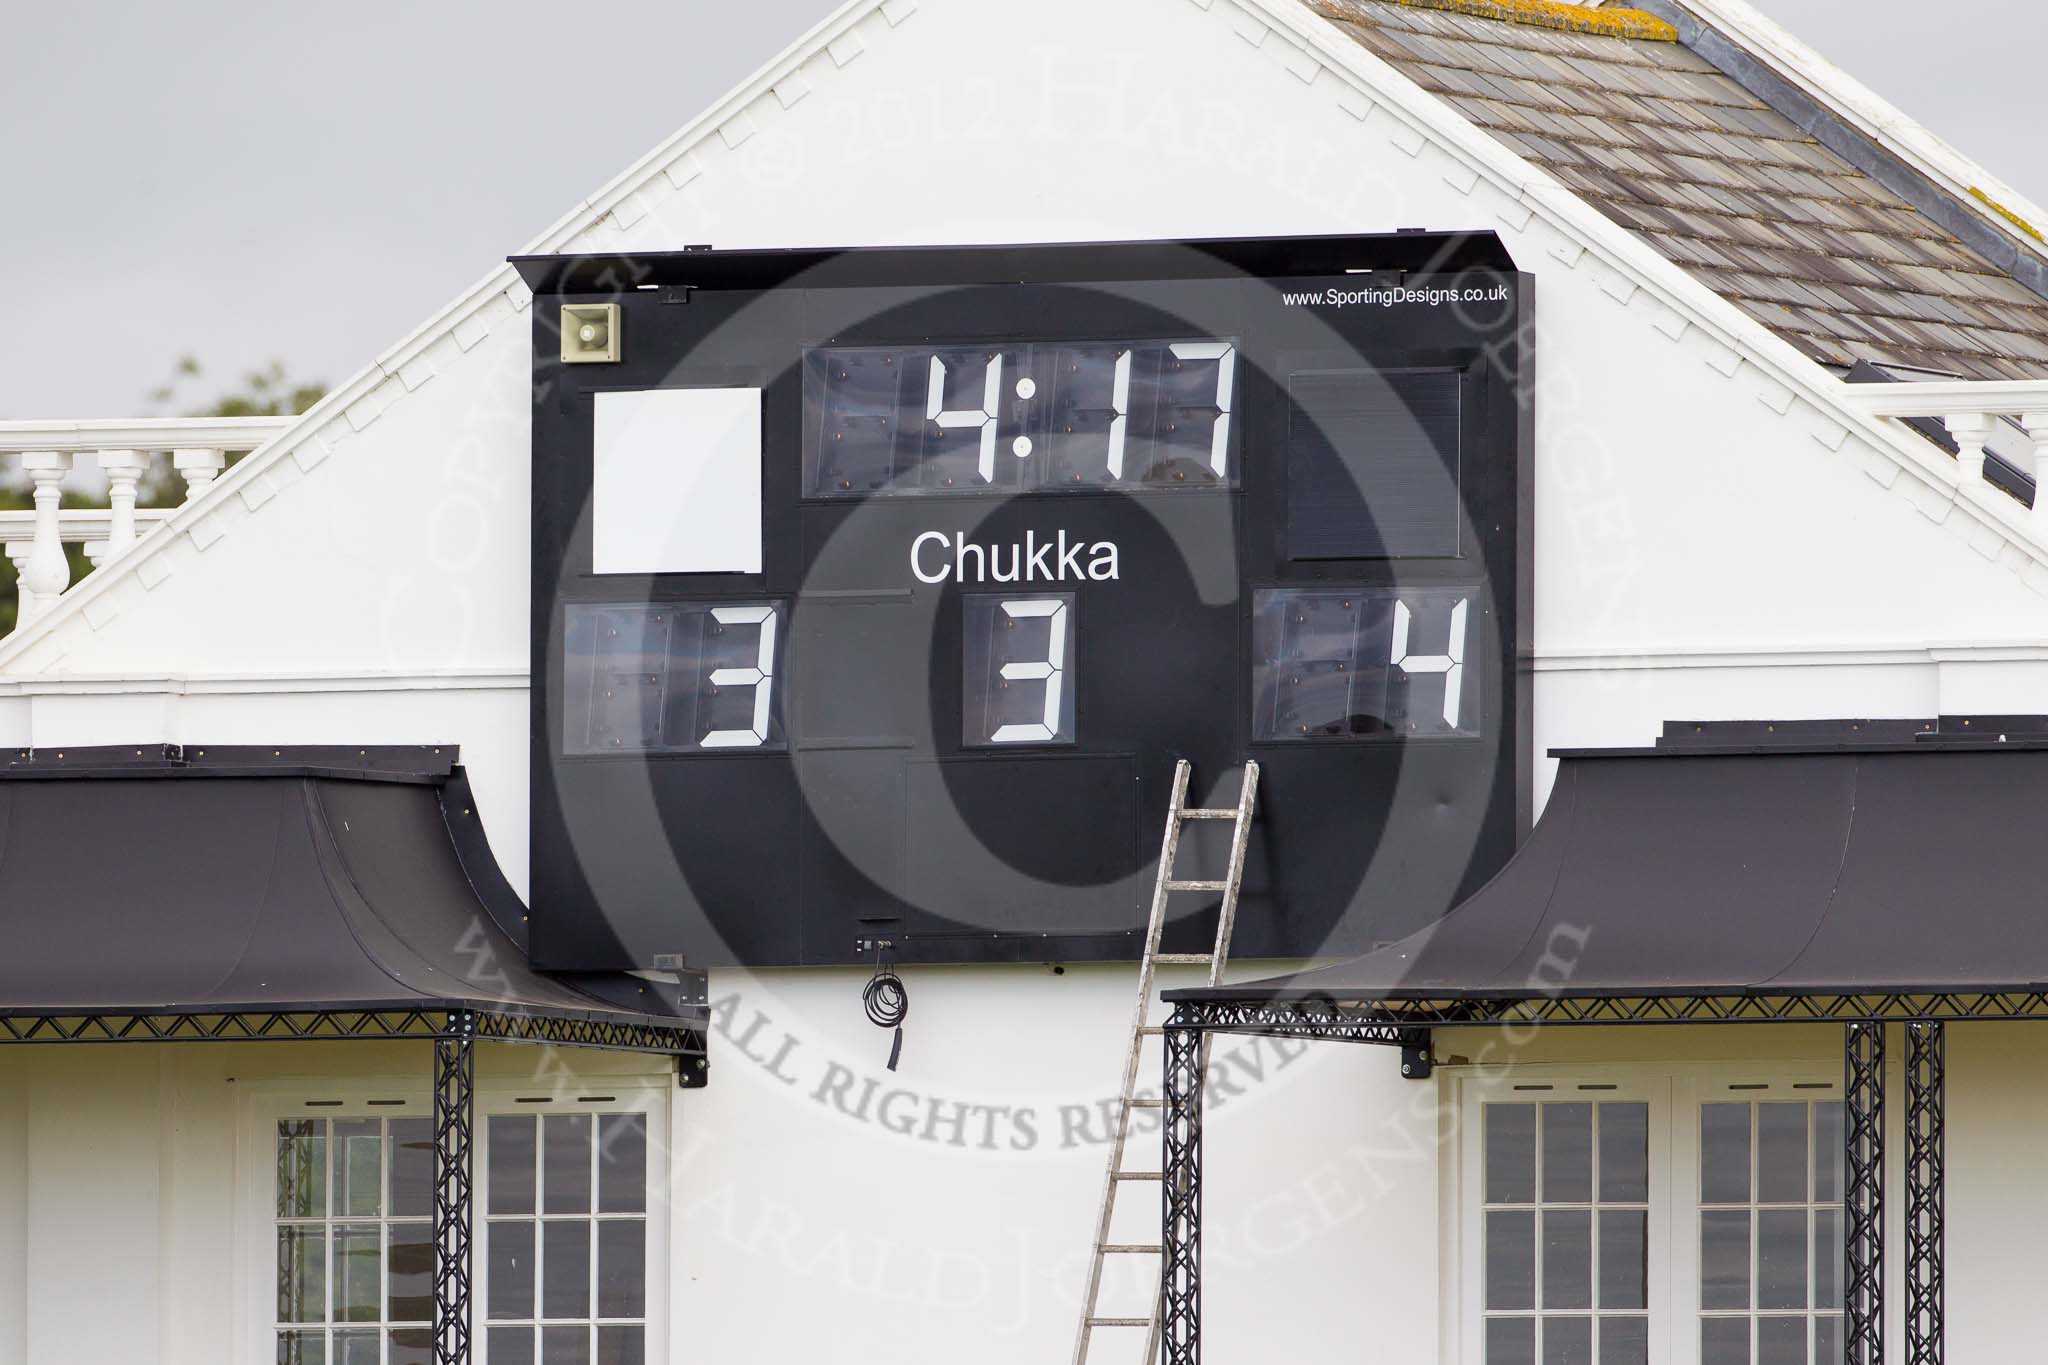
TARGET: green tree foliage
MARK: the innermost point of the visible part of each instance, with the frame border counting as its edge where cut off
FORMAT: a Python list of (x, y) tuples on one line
[(267, 392)]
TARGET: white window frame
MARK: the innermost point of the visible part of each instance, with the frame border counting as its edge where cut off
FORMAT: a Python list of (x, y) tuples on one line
[(1674, 1092), (263, 1104)]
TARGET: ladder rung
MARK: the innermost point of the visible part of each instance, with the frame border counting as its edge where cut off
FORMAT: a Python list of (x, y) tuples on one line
[(1119, 1322), (1140, 1175), (1130, 1249), (1183, 958), (1144, 1101), (1200, 813), (1151, 1030), (1195, 886)]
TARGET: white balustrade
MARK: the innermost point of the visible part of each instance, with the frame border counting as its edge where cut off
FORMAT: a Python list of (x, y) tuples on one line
[(2009, 416), (49, 452)]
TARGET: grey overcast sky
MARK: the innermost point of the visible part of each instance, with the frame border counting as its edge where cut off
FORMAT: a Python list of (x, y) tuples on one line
[(245, 181)]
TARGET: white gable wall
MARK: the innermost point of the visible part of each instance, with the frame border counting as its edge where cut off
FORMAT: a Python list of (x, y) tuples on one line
[(1709, 544)]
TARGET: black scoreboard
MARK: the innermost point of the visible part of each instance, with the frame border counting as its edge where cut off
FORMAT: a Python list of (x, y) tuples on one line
[(876, 592)]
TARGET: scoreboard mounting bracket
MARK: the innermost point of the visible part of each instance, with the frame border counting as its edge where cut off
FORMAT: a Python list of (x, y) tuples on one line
[(877, 591)]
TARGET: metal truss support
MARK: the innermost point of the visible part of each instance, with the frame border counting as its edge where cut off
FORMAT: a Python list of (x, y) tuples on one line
[(454, 1208), (1180, 1279), (1926, 1178), (1863, 1195)]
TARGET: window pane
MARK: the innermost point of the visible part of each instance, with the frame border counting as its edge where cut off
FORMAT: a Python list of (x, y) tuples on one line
[(1511, 1341), (302, 1348), (1781, 1259), (511, 1139), (1724, 1154), (1781, 1153), (1624, 1341), (412, 1168), (301, 1274), (1724, 1259), (621, 1268), (565, 1150), (1510, 1153), (358, 1168), (621, 1165), (1624, 1265), (511, 1258), (565, 1271), (357, 1295), (1567, 1341), (565, 1346), (1510, 1259), (510, 1346), (356, 1348), (1827, 1258), (301, 1169), (1724, 1341), (1567, 1259), (412, 1346), (621, 1346), (1781, 1341), (1567, 1154), (1827, 1341), (1624, 1153), (410, 1278), (1829, 1140)]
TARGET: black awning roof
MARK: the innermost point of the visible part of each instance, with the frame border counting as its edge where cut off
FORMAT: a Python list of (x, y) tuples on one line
[(225, 881), (1899, 868)]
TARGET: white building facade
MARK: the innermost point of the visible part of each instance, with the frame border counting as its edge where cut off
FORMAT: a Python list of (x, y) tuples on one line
[(1725, 529)]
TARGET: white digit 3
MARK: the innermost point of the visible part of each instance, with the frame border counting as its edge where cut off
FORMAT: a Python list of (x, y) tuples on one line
[(761, 677), (1225, 356), (1052, 671), (1451, 664), (935, 409)]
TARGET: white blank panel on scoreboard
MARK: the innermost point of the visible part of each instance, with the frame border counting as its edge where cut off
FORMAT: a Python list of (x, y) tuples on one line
[(676, 482)]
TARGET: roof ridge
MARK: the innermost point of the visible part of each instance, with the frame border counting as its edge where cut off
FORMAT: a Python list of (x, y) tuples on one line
[(1607, 21)]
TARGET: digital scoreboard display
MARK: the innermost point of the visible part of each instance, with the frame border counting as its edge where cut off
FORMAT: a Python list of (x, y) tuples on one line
[(876, 593)]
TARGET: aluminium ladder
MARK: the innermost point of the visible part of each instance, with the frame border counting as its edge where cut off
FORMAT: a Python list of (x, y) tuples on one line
[(1177, 815)]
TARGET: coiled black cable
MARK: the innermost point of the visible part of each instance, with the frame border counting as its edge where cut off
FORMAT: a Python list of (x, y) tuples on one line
[(887, 1001)]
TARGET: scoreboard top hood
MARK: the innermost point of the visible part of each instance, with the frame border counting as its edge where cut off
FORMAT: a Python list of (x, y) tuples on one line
[(876, 591)]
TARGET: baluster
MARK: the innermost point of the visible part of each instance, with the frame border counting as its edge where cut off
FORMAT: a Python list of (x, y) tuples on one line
[(1970, 431), (2036, 426), (198, 468), (124, 469), (44, 572)]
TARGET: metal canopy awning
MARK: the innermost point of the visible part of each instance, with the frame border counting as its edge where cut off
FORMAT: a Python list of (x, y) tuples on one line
[(1861, 872), (150, 886), (1858, 879), (159, 894)]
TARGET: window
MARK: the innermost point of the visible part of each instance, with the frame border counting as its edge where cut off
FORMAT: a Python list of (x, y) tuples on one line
[(1770, 1230), (1566, 1232), (565, 1239), (355, 1255), (1631, 1213)]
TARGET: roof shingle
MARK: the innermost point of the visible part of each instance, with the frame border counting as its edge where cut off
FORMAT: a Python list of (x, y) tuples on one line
[(1669, 146)]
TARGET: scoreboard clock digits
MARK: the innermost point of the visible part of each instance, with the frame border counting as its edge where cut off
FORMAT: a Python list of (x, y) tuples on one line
[(1041, 416)]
